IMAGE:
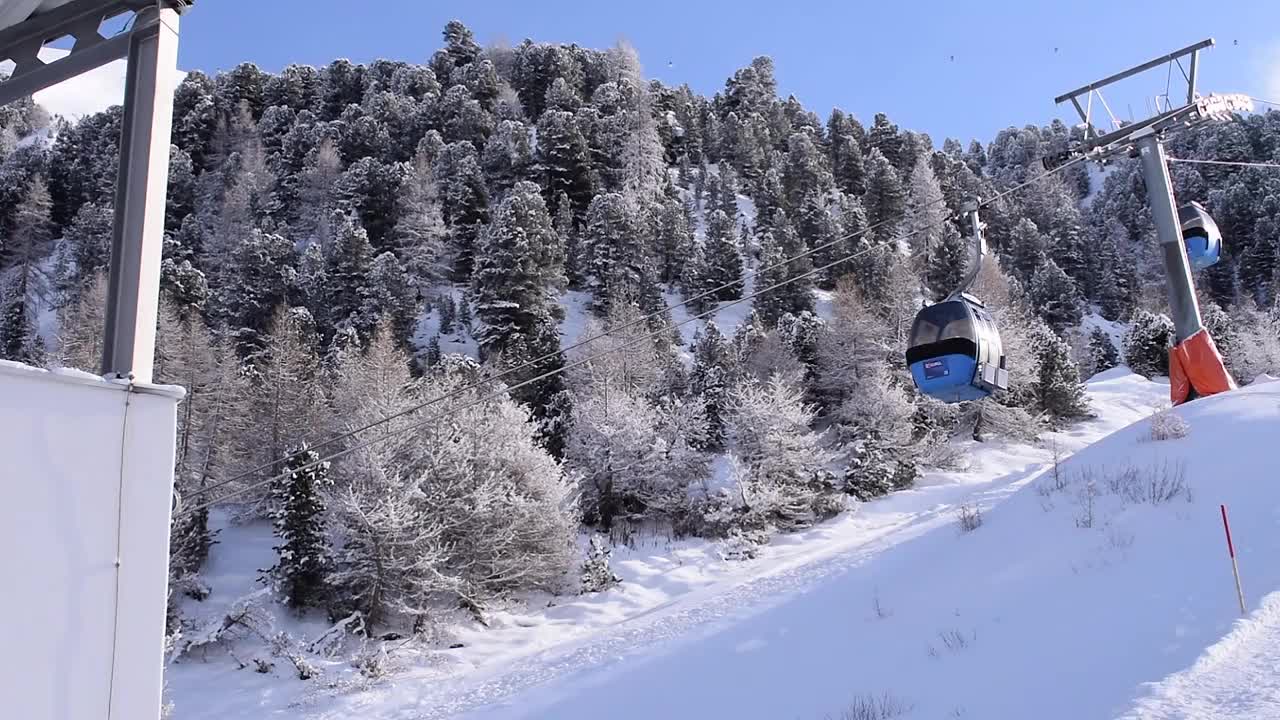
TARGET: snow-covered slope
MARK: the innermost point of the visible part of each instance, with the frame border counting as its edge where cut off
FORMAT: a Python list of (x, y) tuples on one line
[(1054, 607), (1071, 594)]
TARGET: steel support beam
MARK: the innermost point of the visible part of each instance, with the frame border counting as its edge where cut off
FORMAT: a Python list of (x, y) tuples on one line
[(1191, 77), (81, 20), (137, 236), (1183, 304), (1133, 71)]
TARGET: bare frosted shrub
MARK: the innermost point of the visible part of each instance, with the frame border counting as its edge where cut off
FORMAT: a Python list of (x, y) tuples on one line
[(873, 707), (1168, 425), (969, 517)]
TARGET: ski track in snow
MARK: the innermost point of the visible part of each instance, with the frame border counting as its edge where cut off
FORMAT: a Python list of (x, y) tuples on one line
[(1238, 678)]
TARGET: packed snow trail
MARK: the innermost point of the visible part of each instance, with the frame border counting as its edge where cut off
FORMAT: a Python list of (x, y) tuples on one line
[(1061, 605), (808, 621), (1236, 679)]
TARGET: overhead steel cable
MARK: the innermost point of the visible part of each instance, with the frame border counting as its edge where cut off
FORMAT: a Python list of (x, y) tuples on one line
[(578, 363), (1233, 163)]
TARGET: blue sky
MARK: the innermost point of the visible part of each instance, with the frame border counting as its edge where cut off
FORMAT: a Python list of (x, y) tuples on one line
[(1010, 58)]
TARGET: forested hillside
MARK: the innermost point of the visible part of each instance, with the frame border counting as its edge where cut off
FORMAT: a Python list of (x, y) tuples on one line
[(350, 242)]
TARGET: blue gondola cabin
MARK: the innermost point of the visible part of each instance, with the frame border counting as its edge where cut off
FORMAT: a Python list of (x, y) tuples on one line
[(955, 352), (1200, 235)]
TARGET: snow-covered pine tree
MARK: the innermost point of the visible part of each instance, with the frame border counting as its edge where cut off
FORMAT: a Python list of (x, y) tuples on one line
[(1028, 253), (770, 198), (712, 381), (820, 230), (723, 258), (564, 159), (448, 309), (432, 354), (545, 397), (1053, 294), (369, 188), (258, 281), (507, 156), (804, 174), (391, 298), (88, 247), (884, 138), (868, 474), (597, 576), (946, 262), (844, 136), (886, 200), (791, 282), (1102, 352), (674, 239), (349, 263), (298, 521), (1147, 343), (1059, 392), (24, 286), (801, 333), (465, 312), (519, 270), (1110, 289), (464, 201), (618, 268)]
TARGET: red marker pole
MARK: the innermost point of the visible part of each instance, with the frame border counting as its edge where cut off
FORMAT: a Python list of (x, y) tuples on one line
[(1231, 550)]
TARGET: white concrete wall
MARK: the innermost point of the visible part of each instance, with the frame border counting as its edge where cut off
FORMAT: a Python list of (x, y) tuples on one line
[(84, 535)]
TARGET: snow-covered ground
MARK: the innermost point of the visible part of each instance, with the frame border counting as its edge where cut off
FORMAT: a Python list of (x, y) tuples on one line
[(1069, 596), (1238, 678), (1114, 330), (1063, 603)]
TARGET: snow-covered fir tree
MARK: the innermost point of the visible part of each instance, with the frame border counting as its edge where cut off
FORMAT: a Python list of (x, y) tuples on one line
[(885, 200), (1054, 296), (298, 520), (519, 270), (1102, 352), (1059, 392), (24, 284), (1147, 343), (711, 381), (722, 260)]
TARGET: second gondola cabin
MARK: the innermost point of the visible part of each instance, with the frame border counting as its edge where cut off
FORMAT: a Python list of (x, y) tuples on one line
[(1200, 236), (955, 353)]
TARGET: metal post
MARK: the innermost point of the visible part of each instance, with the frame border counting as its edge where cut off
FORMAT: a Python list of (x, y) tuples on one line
[(134, 280), (1182, 294), (1191, 78)]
